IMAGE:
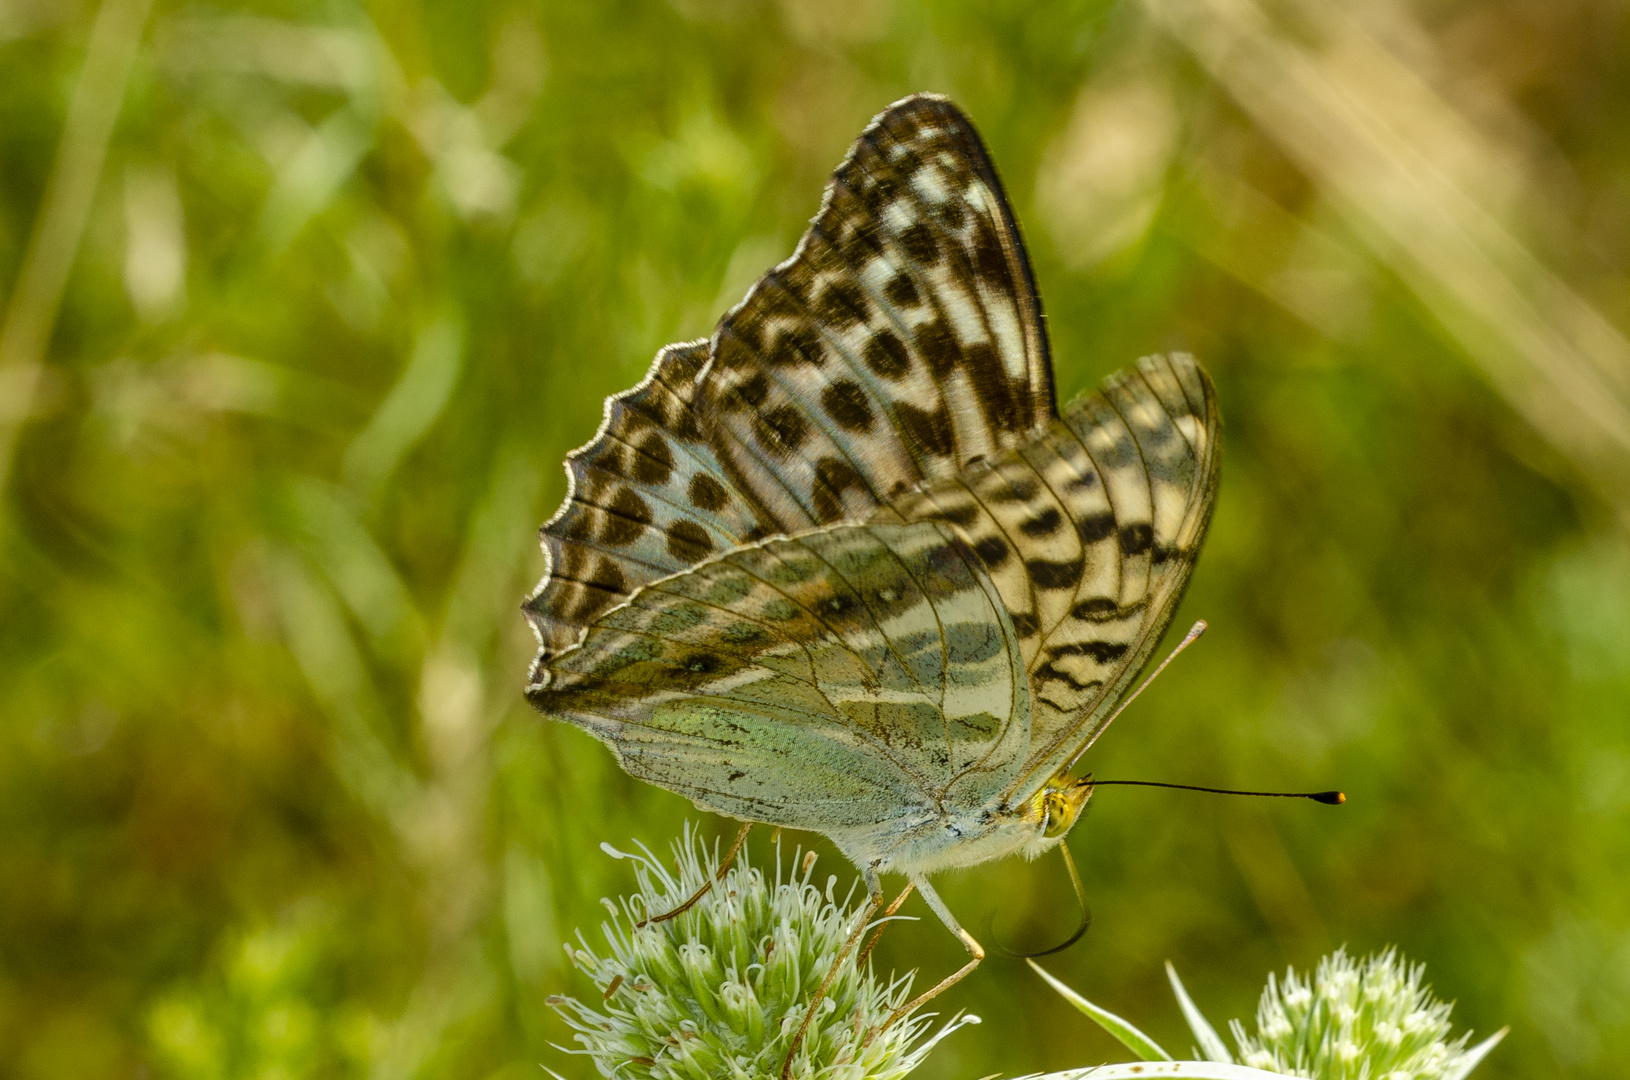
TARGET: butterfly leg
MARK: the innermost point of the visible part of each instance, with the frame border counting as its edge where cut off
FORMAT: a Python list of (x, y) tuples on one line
[(888, 913), (724, 866), (874, 890), (976, 950)]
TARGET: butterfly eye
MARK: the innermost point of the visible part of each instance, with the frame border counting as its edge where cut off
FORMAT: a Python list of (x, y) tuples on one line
[(1056, 815)]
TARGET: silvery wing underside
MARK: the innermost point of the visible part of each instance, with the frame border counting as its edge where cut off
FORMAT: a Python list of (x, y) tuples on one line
[(844, 565)]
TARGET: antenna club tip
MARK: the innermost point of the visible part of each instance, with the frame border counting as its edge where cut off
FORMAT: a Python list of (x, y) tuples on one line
[(1331, 798)]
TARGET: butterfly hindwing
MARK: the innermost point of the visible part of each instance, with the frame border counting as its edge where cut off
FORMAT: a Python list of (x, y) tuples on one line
[(830, 681)]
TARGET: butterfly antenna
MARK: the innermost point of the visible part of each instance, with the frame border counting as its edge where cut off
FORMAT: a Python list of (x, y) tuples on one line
[(1329, 798), (1081, 928), (1188, 639)]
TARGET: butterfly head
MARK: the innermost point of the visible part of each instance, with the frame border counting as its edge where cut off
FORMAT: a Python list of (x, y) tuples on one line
[(1054, 810)]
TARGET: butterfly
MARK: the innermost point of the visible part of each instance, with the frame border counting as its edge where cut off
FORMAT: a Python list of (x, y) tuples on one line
[(845, 566)]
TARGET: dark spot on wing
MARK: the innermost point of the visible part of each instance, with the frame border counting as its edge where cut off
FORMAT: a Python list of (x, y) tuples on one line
[(886, 355), (926, 432), (863, 243), (1054, 575), (626, 519), (1020, 489), (1043, 524), (996, 392), (960, 515), (797, 345), (1101, 651), (608, 576), (688, 541), (1054, 673), (734, 351), (841, 304), (920, 245), (832, 477), (938, 347), (846, 403), (902, 291), (837, 606), (1096, 609), (1095, 528), (782, 429), (989, 261), (1025, 623), (1137, 538), (707, 493), (702, 663), (992, 551), (608, 459), (754, 390), (654, 464)]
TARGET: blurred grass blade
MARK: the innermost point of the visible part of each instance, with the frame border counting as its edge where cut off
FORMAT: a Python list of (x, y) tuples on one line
[(1474, 1056), (1411, 173), (1210, 1043), (37, 291), (1133, 1039), (412, 406)]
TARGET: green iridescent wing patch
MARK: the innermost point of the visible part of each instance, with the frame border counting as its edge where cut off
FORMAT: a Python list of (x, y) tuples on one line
[(829, 681)]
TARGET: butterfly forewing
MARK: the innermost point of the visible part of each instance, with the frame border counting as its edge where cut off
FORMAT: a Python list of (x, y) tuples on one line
[(902, 339), (1089, 532), (646, 498), (1157, 459)]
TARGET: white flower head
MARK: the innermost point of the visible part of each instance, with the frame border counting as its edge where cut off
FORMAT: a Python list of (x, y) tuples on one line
[(720, 990), (1353, 1020)]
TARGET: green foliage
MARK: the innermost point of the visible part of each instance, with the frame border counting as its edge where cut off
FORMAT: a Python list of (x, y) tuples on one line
[(350, 278)]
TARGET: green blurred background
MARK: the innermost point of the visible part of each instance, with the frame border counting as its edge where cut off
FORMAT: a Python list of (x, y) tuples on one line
[(305, 301)]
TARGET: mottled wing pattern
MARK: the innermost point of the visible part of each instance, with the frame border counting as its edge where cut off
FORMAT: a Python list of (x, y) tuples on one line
[(1090, 531), (646, 498), (840, 680), (901, 341)]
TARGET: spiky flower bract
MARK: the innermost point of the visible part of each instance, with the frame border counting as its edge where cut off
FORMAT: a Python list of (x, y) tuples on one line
[(719, 991), (1369, 1019)]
